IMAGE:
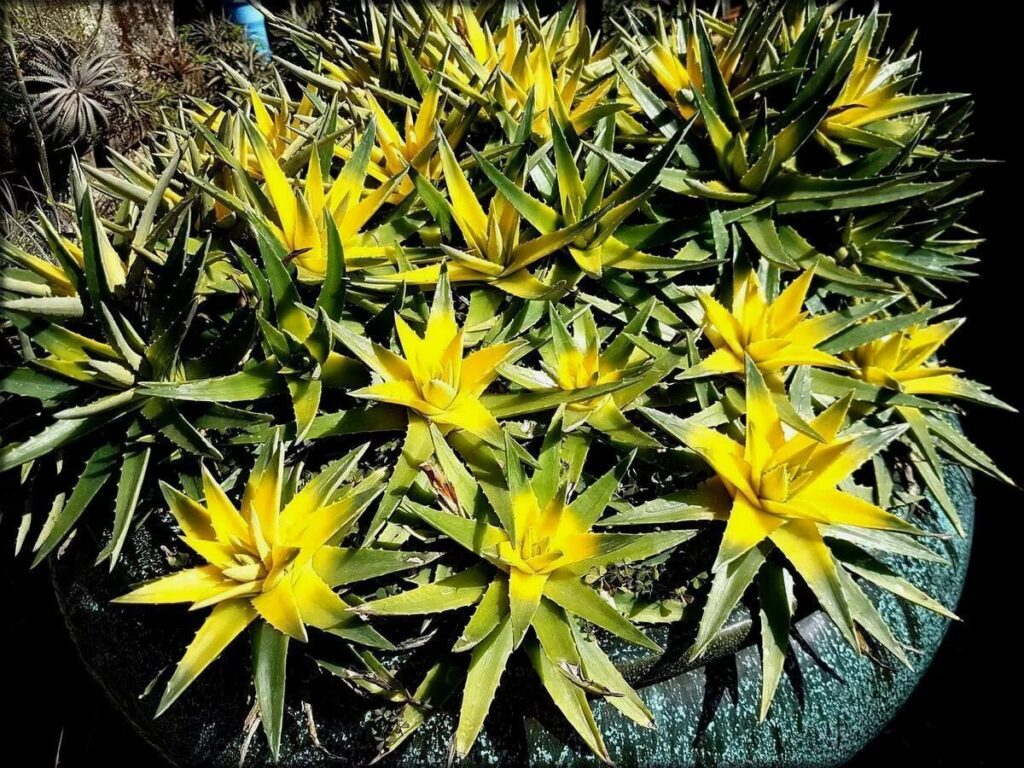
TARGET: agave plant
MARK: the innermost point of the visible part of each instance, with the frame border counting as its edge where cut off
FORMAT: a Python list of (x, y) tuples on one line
[(531, 584), (494, 252), (87, 356), (774, 335), (535, 270), (300, 359), (575, 361), (898, 356), (783, 493), (875, 107), (273, 561), (274, 118)]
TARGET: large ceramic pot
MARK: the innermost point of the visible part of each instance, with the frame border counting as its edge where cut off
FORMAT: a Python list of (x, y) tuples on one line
[(831, 702)]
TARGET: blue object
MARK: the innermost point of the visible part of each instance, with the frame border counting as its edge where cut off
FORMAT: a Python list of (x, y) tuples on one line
[(251, 19)]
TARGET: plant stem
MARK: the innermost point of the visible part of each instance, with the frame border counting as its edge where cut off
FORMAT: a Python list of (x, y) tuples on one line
[(19, 77)]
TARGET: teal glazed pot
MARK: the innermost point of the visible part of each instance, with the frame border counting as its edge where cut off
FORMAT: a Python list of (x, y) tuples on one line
[(830, 703)]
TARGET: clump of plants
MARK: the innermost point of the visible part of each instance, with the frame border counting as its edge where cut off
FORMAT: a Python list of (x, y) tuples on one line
[(469, 333), (194, 65), (76, 90)]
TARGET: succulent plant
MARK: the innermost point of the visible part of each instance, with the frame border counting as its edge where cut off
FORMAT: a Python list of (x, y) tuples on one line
[(74, 92), (273, 560), (536, 551), (533, 269), (784, 496)]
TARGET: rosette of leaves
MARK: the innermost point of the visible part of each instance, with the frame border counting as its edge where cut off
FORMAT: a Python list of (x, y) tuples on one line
[(207, 146), (781, 496), (780, 128), (575, 361), (298, 357), (434, 385), (493, 57), (535, 540), (899, 379), (273, 561), (74, 92)]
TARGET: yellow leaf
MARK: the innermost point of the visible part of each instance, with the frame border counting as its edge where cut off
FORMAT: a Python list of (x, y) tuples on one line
[(387, 134), (388, 364), (228, 590), (472, 416), (479, 368), (315, 189), (189, 514), (802, 544), (264, 121), (223, 625), (399, 392), (279, 608), (466, 209), (524, 285), (182, 587), (827, 424), (835, 507), (324, 524), (214, 552), (943, 384), (747, 527), (262, 496), (359, 212), (795, 354), (278, 186), (787, 309), (318, 604), (721, 361), (306, 240), (226, 520), (723, 454), (723, 322), (761, 410)]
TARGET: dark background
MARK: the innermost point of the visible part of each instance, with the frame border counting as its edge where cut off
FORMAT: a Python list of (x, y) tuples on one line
[(963, 713)]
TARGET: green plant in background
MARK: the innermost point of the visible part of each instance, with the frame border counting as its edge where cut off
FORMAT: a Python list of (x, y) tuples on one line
[(493, 258), (214, 40)]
